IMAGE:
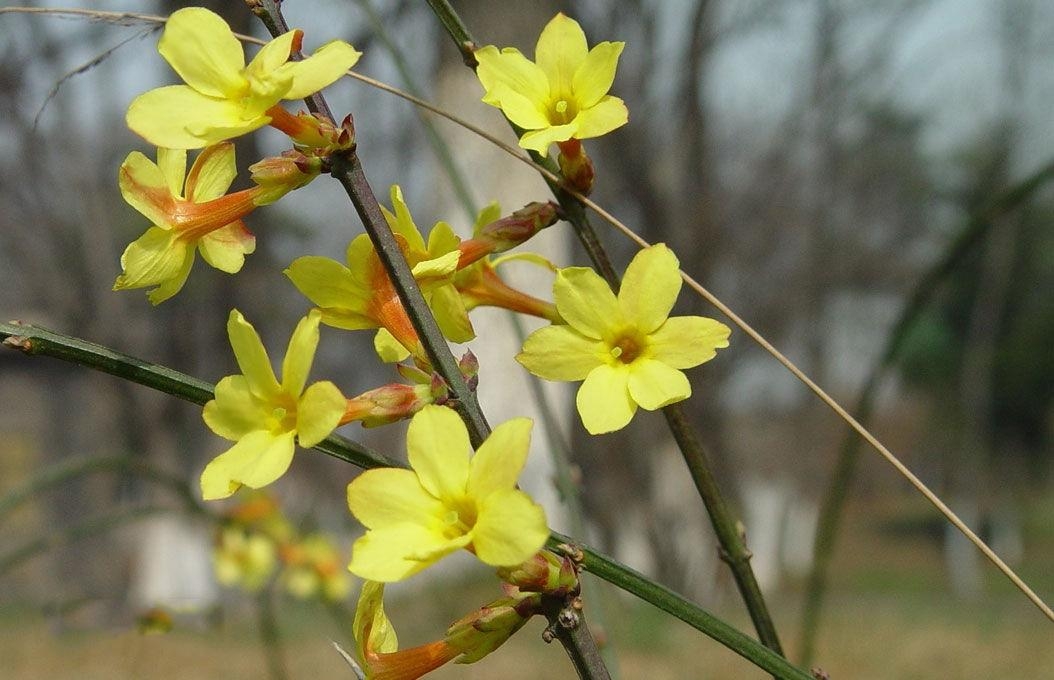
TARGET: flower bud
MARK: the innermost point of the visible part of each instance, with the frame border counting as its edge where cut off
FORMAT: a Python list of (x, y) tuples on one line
[(313, 133), (489, 627), (575, 166), (546, 572), (509, 232), (278, 175), (389, 403)]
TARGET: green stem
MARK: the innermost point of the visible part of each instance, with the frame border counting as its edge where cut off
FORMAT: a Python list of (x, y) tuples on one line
[(440, 148), (725, 525), (103, 359), (346, 168), (270, 635), (733, 548), (34, 340), (695, 616), (841, 478), (577, 641)]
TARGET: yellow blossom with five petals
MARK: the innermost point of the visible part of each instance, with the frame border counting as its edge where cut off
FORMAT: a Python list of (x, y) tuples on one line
[(447, 501), (626, 348), (267, 418), (223, 98), (562, 94), (194, 217)]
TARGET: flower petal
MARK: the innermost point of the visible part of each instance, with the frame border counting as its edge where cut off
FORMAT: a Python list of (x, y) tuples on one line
[(586, 302), (603, 400), (390, 554), (179, 117), (372, 630), (145, 187), (321, 69), (212, 173), (385, 497), (500, 459), (401, 222), (173, 285), (450, 313), (258, 459), (608, 114), (596, 73), (687, 341), (510, 529), (153, 258), (234, 412), (388, 348), (226, 248), (442, 239), (539, 140), (524, 112), (326, 282), (561, 49), (319, 412), (438, 446), (650, 287), (201, 48), (173, 165), (560, 353), (272, 56), (251, 356), (653, 384), (513, 70), (300, 353)]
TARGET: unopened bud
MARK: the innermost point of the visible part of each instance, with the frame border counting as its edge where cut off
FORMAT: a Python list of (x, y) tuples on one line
[(388, 404), (509, 232), (546, 572), (575, 166), (278, 175), (312, 133), (484, 630)]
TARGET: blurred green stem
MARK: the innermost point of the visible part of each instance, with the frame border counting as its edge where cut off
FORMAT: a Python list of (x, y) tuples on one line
[(270, 635)]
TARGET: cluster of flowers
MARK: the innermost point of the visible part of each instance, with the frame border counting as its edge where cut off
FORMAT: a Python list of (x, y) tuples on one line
[(624, 347), (256, 541)]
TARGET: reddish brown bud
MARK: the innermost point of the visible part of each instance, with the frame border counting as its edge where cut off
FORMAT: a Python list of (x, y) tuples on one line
[(575, 166)]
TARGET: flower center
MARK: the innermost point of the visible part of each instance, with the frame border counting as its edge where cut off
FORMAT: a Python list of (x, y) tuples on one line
[(459, 519), (563, 112), (627, 348)]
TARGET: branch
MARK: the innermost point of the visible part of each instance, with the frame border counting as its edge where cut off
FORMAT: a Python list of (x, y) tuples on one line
[(34, 340)]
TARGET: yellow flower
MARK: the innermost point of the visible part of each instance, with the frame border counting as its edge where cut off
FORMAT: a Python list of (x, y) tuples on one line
[(195, 217), (447, 501), (314, 568), (626, 349), (243, 558), (467, 640), (562, 94), (223, 98), (378, 646), (266, 418)]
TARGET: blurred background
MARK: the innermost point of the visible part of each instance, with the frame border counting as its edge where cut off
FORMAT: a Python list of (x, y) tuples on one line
[(868, 184)]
